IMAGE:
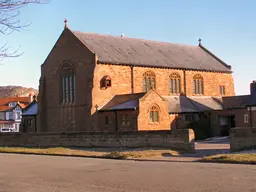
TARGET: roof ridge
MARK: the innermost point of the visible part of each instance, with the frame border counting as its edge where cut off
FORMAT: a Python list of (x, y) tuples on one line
[(134, 38)]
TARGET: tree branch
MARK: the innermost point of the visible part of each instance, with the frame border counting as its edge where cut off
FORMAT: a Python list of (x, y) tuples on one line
[(10, 22)]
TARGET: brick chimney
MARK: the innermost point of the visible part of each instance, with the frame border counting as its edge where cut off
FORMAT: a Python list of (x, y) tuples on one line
[(30, 97), (253, 88)]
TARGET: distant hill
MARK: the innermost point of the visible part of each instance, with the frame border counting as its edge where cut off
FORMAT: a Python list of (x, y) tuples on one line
[(12, 91)]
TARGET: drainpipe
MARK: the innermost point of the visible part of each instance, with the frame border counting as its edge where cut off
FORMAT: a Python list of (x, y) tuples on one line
[(116, 122), (250, 116), (35, 124), (132, 82), (184, 75)]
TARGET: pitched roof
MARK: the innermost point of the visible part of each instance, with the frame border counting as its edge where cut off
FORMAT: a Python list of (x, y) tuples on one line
[(31, 109), (176, 104), (190, 104), (23, 102), (130, 51), (238, 101), (125, 101), (6, 100), (180, 104)]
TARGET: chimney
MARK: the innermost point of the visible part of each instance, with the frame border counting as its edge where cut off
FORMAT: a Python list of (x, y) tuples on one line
[(30, 97), (253, 88)]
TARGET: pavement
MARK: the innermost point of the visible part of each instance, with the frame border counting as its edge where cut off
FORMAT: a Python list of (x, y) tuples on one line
[(31, 173), (211, 146)]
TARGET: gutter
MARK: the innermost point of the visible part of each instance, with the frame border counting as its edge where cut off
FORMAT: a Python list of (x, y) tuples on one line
[(163, 67)]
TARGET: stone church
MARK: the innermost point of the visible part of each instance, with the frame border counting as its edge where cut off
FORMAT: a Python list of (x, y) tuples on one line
[(93, 82)]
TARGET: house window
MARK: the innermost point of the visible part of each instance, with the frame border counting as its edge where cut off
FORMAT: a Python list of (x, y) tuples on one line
[(175, 83), (149, 81), (29, 122), (67, 75), (245, 118), (124, 120), (106, 120), (154, 114), (18, 116), (12, 104), (198, 84), (10, 115), (189, 117), (222, 90), (105, 82)]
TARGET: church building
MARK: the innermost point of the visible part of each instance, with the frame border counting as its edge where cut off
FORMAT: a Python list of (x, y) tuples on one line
[(100, 83)]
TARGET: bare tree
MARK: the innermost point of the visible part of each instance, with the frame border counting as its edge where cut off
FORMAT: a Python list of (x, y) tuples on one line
[(10, 22)]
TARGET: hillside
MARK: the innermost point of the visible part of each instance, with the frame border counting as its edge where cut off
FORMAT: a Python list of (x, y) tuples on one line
[(12, 91)]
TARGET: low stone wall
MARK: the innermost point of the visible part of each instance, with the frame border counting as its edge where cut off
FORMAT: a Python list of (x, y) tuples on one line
[(242, 138), (176, 139)]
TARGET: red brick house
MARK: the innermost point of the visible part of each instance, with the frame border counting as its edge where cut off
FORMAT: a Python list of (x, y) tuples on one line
[(93, 82)]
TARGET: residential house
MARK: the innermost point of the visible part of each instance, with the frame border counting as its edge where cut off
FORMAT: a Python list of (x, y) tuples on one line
[(11, 111)]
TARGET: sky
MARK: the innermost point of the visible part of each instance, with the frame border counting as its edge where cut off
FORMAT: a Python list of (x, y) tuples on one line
[(227, 28)]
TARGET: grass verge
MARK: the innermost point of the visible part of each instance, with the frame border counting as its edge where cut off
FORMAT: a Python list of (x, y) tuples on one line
[(101, 153), (247, 158)]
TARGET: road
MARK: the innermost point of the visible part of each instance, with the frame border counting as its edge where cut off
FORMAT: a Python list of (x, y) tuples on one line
[(28, 173)]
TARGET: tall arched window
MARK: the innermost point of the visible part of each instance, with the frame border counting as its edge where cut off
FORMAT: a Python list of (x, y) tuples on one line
[(154, 114), (149, 81), (198, 84), (174, 83), (67, 80)]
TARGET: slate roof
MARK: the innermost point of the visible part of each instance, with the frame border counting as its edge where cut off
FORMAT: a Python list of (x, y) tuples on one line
[(130, 51), (176, 104), (125, 101), (180, 104), (240, 101), (30, 109), (183, 104)]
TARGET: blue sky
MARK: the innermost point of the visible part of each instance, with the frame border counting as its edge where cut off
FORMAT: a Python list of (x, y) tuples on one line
[(227, 28)]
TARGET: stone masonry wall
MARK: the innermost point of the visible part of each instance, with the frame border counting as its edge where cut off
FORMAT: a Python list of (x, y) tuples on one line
[(176, 139), (56, 117), (145, 103), (242, 138)]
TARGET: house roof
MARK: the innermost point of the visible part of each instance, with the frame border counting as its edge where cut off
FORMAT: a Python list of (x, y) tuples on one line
[(31, 109), (183, 104), (121, 102), (238, 101), (4, 102), (139, 52)]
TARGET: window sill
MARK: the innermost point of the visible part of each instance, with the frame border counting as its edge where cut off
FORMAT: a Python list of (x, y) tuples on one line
[(67, 104), (154, 123)]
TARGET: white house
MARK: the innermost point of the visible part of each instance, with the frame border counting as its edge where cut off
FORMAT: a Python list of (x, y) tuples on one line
[(11, 112)]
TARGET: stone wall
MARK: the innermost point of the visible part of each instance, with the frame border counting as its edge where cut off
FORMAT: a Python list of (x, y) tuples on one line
[(177, 139), (242, 138)]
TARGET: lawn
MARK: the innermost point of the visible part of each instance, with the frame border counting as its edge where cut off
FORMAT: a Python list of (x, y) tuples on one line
[(245, 158), (103, 153)]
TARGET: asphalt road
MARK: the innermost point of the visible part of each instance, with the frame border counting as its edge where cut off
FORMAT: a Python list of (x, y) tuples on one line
[(28, 173)]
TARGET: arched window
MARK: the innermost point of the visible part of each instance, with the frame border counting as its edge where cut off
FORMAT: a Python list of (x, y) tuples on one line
[(154, 114), (198, 84), (174, 83), (67, 79), (149, 81)]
